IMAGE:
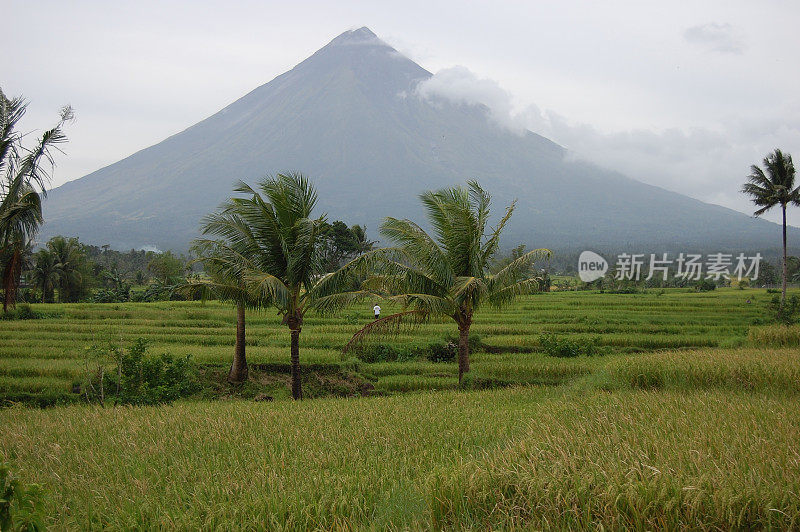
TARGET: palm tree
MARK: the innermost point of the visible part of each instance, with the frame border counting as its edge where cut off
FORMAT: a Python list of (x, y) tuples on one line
[(448, 274), (270, 246), (44, 274), (225, 282), (23, 181), (774, 185), (70, 264)]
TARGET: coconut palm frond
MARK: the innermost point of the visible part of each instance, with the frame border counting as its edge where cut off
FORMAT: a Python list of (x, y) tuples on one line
[(391, 325), (503, 296), (518, 268)]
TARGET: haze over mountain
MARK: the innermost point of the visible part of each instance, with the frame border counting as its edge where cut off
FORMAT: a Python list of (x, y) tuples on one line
[(350, 117)]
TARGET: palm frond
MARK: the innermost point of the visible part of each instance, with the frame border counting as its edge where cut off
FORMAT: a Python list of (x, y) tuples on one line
[(391, 325)]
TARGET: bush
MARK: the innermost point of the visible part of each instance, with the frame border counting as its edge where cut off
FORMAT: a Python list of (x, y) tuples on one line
[(112, 296), (442, 352), (388, 353), (147, 380), (21, 506), (475, 341), (562, 347), (23, 311), (139, 378), (706, 285), (786, 314)]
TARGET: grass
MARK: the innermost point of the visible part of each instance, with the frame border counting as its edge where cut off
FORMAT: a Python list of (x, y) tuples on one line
[(49, 351), (689, 422), (643, 461), (538, 457)]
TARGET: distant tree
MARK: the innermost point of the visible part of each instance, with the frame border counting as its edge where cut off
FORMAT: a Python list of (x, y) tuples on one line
[(766, 275), (272, 246), (793, 268), (772, 186), (45, 274), (167, 269), (448, 274), (74, 269), (341, 243), (23, 180)]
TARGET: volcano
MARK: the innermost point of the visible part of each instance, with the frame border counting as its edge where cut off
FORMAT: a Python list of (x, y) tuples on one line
[(351, 118)]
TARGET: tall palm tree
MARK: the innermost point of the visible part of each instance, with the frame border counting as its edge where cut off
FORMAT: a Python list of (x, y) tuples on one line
[(269, 244), (44, 274), (23, 180), (772, 186), (224, 281), (448, 274)]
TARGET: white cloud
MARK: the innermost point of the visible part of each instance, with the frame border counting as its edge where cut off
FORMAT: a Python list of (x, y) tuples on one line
[(707, 163), (460, 85), (722, 38)]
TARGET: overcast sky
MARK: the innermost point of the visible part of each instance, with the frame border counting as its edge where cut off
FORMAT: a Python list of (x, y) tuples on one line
[(684, 95)]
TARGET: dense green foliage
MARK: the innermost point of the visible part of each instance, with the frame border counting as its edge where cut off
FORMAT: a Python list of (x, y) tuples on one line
[(21, 506)]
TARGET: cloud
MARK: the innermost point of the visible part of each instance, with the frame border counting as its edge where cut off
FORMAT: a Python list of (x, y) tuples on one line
[(460, 85), (707, 163), (722, 38)]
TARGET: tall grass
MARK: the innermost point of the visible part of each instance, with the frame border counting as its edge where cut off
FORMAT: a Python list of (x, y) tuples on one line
[(770, 370), (642, 461), (775, 336), (532, 457)]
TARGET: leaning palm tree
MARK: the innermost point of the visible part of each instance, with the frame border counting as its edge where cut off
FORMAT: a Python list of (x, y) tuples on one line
[(772, 186), (23, 180), (269, 245), (448, 274)]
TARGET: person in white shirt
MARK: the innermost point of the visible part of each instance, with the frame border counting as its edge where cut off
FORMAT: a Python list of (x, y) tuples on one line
[(377, 310)]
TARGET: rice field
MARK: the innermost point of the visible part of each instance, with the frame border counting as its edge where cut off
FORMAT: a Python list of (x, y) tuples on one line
[(528, 457), (44, 356), (690, 421)]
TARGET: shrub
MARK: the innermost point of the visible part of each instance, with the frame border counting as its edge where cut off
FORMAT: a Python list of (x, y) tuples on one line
[(561, 347), (112, 296), (21, 506), (706, 285), (139, 378), (23, 311), (147, 380), (475, 341), (786, 314), (442, 352), (389, 353)]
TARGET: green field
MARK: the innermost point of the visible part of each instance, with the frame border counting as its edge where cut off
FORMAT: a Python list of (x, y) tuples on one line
[(689, 421), (45, 355)]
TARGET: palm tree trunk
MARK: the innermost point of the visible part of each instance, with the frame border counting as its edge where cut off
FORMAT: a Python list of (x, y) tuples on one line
[(463, 349), (239, 371), (783, 288), (297, 390), (11, 280)]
